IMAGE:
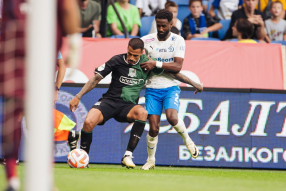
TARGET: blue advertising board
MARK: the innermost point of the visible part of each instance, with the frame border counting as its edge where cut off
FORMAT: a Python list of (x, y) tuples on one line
[(231, 129)]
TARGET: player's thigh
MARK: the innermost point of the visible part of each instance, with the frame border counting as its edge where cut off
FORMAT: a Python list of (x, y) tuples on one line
[(153, 101), (93, 118), (137, 113), (172, 98)]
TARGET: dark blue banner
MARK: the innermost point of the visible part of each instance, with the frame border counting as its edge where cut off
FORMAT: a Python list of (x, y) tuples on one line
[(246, 130)]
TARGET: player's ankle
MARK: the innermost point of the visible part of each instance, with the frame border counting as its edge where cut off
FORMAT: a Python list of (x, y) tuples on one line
[(14, 183), (128, 153)]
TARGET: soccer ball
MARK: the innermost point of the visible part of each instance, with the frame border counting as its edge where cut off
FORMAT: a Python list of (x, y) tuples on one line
[(78, 158)]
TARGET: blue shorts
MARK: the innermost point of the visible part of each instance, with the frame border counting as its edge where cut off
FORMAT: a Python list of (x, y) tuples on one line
[(156, 99)]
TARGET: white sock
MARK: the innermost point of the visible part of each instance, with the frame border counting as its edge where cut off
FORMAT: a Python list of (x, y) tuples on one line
[(151, 147), (182, 131), (128, 153), (14, 182)]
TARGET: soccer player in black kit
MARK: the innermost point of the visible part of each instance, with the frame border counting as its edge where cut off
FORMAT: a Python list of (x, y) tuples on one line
[(120, 101)]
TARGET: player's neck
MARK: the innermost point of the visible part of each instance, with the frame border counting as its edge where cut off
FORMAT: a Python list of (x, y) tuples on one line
[(248, 13), (165, 38), (275, 19)]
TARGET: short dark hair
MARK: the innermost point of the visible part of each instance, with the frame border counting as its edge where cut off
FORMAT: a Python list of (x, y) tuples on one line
[(170, 4), (274, 2), (136, 43), (164, 14), (175, 30), (245, 27), (191, 1)]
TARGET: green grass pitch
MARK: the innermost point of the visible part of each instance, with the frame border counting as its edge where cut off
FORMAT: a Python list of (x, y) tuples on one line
[(114, 177)]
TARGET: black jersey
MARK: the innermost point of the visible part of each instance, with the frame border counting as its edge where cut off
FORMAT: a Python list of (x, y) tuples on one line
[(127, 79)]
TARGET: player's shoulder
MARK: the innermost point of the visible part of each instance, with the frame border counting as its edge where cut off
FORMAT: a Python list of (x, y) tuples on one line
[(143, 58), (177, 38), (149, 37), (117, 58)]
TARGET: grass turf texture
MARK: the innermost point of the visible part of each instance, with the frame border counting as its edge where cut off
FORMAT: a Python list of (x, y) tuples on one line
[(114, 177)]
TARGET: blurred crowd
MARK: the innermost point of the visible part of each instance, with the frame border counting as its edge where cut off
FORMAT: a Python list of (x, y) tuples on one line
[(236, 20)]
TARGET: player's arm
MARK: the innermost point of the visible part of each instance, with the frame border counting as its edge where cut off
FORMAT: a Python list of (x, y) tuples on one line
[(86, 88), (175, 66), (182, 78)]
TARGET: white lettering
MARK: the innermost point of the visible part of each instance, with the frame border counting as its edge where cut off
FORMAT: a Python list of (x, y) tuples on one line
[(210, 156), (222, 154), (184, 154), (280, 106), (284, 155), (275, 154), (222, 110), (264, 159), (239, 154), (249, 154)]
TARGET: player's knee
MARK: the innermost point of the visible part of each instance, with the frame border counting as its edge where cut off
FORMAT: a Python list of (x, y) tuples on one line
[(172, 119), (154, 129), (88, 125), (142, 114)]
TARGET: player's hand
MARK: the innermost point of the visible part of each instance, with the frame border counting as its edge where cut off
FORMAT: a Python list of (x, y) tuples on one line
[(74, 103), (149, 65), (199, 88)]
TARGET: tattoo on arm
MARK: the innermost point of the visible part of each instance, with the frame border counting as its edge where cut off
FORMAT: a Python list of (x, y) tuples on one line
[(182, 78), (89, 85)]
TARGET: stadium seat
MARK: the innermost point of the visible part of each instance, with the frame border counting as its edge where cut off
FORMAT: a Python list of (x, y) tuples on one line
[(206, 39), (283, 42), (122, 36), (146, 23), (183, 12), (133, 2), (181, 2), (223, 30)]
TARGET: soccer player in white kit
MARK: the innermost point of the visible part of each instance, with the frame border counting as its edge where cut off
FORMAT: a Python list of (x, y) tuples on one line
[(168, 49)]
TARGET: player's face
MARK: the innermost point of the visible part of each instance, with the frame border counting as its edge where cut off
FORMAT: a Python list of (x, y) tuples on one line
[(276, 9), (163, 27), (133, 55), (250, 4), (196, 9)]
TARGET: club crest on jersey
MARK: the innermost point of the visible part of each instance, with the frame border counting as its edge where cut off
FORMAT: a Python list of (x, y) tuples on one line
[(171, 48), (100, 68), (132, 72)]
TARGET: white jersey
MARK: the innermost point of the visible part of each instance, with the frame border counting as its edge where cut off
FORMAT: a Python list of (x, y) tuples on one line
[(163, 51)]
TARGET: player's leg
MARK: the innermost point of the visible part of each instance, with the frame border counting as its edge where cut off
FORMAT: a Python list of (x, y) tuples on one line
[(11, 135), (93, 118), (138, 115), (171, 105), (154, 107)]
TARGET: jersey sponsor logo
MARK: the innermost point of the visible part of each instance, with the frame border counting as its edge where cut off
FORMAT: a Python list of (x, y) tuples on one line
[(171, 48), (149, 40), (174, 38), (132, 72), (130, 81), (165, 59), (161, 50), (100, 68), (182, 48)]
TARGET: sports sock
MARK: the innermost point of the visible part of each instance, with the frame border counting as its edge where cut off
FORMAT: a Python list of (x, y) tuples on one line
[(86, 139), (151, 147), (11, 170), (182, 131), (135, 135)]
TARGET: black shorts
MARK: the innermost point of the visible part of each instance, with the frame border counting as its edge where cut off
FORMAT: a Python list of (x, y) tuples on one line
[(112, 109)]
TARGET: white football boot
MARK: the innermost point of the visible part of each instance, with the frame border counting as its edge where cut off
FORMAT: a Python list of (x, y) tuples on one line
[(127, 161), (192, 149), (150, 164)]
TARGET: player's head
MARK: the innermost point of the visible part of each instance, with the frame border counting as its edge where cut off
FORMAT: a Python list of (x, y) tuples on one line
[(164, 23), (172, 7), (196, 8), (243, 28), (276, 8), (250, 5), (134, 50)]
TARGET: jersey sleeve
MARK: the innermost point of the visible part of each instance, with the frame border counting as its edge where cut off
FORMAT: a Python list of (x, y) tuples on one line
[(180, 47), (105, 68)]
